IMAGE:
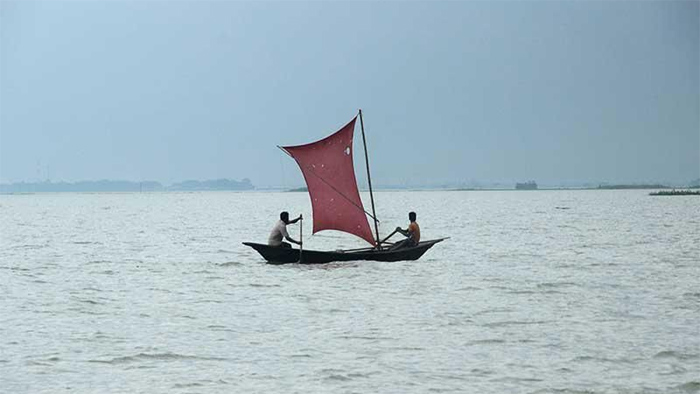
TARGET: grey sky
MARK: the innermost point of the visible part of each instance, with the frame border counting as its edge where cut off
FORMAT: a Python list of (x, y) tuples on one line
[(455, 91)]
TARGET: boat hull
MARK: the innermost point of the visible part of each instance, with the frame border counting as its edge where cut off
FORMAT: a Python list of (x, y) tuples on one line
[(278, 255)]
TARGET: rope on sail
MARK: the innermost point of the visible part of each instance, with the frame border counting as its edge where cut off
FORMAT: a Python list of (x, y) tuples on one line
[(310, 169), (341, 194)]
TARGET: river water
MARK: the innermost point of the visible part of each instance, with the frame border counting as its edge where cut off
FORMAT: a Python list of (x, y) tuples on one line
[(535, 292)]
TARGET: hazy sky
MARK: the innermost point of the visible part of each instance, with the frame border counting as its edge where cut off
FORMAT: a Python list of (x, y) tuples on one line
[(451, 92)]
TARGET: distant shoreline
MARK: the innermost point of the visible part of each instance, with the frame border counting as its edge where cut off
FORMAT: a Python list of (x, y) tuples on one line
[(279, 190), (112, 186)]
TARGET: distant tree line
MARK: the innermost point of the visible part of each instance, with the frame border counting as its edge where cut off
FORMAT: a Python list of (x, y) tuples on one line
[(675, 192), (124, 186), (633, 186), (216, 184)]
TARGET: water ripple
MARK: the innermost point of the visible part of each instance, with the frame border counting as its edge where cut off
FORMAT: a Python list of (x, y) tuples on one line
[(689, 387), (154, 357), (676, 355)]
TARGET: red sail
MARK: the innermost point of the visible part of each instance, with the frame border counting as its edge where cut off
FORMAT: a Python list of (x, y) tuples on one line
[(330, 176)]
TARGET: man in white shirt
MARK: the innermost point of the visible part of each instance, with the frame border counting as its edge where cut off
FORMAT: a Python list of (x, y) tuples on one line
[(279, 232)]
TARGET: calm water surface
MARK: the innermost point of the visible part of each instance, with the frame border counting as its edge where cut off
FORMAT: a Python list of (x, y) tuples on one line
[(535, 292)]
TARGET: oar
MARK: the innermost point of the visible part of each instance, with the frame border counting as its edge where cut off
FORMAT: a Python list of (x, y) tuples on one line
[(387, 237), (301, 235)]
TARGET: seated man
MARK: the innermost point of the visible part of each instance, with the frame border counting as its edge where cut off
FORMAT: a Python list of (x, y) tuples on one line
[(412, 233), (280, 231)]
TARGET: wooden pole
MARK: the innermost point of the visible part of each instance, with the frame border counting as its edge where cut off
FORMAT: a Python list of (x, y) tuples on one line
[(369, 180), (301, 236)]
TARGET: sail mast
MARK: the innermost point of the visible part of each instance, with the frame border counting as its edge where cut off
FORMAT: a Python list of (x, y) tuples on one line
[(369, 180)]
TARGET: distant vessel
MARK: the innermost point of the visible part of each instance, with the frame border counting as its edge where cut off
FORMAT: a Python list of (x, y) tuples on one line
[(530, 185), (675, 192)]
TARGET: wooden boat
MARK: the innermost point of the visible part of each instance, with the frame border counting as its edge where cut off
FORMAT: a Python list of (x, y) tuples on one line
[(277, 255), (328, 170)]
